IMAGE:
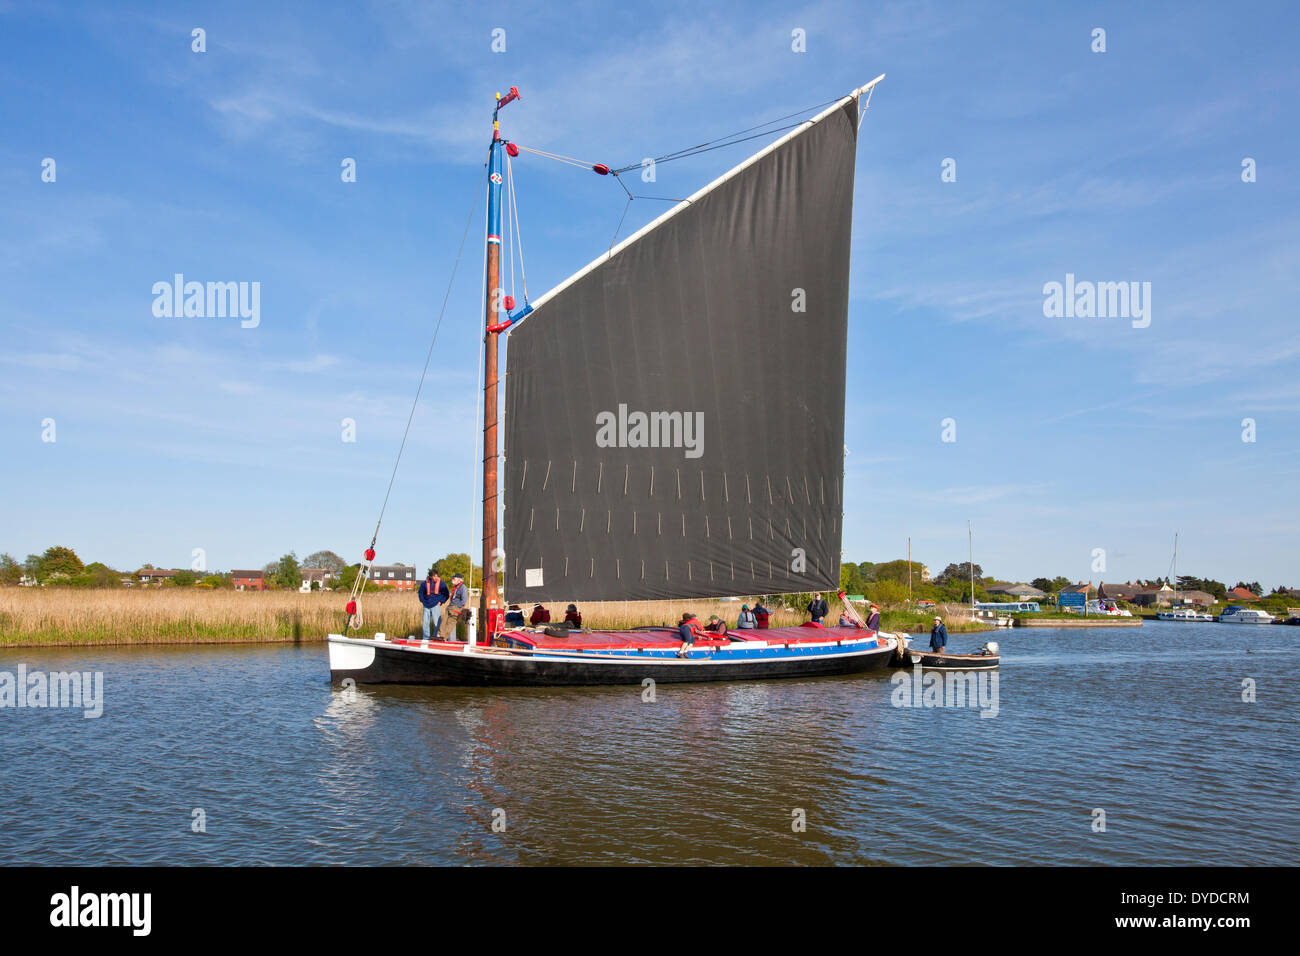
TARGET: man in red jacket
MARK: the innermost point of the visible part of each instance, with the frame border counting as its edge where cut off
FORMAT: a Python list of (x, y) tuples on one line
[(761, 614), (688, 630)]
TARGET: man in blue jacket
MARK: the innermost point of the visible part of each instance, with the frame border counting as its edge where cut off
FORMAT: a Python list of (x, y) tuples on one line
[(938, 636), (433, 595)]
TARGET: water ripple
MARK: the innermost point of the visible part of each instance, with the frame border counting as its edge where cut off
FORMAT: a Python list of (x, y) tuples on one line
[(285, 770)]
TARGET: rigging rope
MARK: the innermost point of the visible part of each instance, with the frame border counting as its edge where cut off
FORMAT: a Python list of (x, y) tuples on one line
[(719, 143), (510, 231), (354, 608), (731, 139), (479, 407), (569, 160), (518, 234)]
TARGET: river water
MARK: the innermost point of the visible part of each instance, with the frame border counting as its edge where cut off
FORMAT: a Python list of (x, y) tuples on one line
[(247, 755)]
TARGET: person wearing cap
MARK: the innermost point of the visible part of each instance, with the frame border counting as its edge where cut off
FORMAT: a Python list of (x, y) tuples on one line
[(716, 625), (456, 605), (818, 608), (433, 595), (938, 636), (540, 615), (747, 619), (514, 616), (873, 619)]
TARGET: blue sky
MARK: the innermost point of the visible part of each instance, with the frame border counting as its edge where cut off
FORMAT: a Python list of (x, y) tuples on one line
[(1072, 434)]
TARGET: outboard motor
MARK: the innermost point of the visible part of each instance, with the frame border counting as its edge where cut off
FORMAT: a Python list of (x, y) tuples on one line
[(991, 648)]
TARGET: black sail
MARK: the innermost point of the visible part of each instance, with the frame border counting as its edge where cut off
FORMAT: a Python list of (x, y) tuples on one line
[(675, 416)]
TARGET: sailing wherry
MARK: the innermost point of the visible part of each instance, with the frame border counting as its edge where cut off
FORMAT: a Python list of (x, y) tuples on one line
[(735, 487)]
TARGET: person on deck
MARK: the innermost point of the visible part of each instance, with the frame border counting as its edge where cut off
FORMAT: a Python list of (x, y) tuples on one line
[(540, 615), (846, 621), (747, 621), (514, 616), (688, 630), (716, 625), (572, 616), (761, 616), (433, 595), (456, 606), (873, 619), (938, 636), (818, 608)]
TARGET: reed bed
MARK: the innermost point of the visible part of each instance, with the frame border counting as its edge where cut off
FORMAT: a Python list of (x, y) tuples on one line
[(64, 616), (55, 616)]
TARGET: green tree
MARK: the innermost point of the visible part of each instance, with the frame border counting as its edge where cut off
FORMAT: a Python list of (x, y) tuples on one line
[(285, 573), (184, 578), (59, 562), (347, 579), (851, 579), (459, 563), (1043, 584), (10, 570), (960, 572), (98, 575), (888, 592), (896, 571), (324, 559)]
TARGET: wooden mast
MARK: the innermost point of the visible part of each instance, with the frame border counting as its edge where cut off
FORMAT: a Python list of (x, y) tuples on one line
[(490, 598)]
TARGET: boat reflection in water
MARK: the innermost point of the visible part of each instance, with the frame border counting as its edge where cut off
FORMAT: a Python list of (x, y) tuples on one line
[(734, 773)]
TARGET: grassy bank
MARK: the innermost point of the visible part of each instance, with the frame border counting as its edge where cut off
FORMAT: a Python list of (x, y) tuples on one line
[(56, 616), (920, 622), (60, 616)]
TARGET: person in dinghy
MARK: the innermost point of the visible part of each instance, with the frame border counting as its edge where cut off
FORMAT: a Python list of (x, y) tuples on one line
[(938, 637)]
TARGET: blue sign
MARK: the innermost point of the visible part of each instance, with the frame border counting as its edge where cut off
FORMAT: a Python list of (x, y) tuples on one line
[(1071, 599)]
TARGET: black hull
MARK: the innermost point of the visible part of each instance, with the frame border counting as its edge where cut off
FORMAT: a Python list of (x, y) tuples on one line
[(493, 669), (961, 662)]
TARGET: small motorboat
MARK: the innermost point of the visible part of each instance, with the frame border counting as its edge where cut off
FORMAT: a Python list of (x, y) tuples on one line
[(985, 658), (1245, 615)]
